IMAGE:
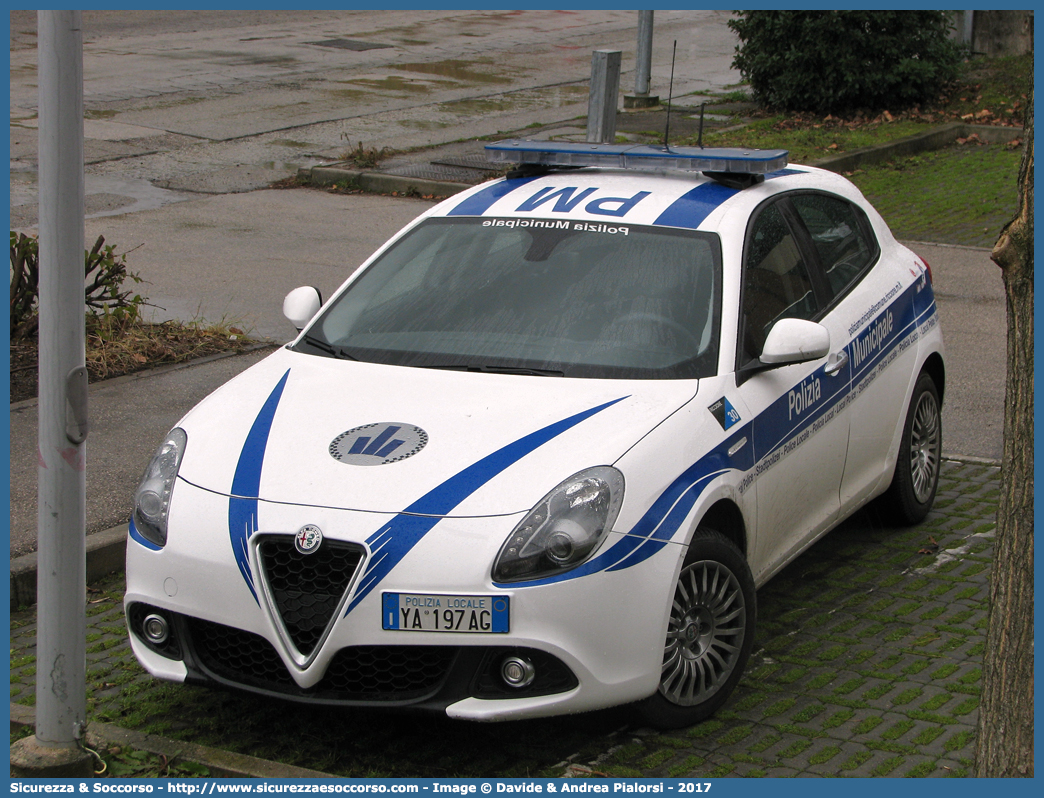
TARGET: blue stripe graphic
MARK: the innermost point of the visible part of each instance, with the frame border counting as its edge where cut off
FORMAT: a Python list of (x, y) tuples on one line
[(664, 518), (478, 204), (690, 209), (246, 483), (135, 535), (395, 539)]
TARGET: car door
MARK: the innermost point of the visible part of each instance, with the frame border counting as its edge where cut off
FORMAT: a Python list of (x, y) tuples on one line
[(800, 427), (865, 309)]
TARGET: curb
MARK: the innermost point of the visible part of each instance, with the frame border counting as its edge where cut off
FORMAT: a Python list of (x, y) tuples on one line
[(943, 136), (220, 763), (163, 369), (106, 550), (921, 142), (380, 182), (106, 554)]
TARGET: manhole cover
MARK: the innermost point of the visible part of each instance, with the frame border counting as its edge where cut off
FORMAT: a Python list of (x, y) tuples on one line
[(350, 44)]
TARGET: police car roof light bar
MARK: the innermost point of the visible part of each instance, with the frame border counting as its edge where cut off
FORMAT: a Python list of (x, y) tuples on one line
[(565, 154)]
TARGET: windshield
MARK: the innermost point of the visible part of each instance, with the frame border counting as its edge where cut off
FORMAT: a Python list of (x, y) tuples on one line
[(577, 299)]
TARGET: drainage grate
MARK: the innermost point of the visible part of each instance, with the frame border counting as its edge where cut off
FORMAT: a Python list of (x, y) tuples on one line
[(473, 161), (454, 174), (350, 44)]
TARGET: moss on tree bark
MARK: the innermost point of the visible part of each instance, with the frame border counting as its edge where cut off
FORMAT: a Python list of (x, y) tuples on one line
[(1004, 744)]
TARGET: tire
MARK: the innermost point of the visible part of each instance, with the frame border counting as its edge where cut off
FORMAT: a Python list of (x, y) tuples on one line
[(916, 478), (709, 637)]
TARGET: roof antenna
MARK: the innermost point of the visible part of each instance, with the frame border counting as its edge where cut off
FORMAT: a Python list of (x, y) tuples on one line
[(699, 140), (670, 95)]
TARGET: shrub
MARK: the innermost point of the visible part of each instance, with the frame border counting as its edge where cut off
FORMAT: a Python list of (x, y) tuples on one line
[(834, 62), (105, 273)]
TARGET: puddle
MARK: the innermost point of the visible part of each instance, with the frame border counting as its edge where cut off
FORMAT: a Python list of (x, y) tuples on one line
[(457, 70), (228, 58), (483, 106), (143, 195), (349, 94), (551, 97), (393, 83), (426, 124)]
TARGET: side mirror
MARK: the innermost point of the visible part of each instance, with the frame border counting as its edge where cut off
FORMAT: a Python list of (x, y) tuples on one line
[(301, 305), (795, 341)]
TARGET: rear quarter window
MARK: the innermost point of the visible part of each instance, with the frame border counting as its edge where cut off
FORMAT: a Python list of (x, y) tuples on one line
[(841, 235)]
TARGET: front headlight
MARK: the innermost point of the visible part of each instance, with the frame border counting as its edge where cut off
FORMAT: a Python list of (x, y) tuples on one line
[(152, 499), (564, 528)]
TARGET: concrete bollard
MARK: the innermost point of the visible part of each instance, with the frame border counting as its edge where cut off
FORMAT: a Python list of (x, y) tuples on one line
[(605, 87)]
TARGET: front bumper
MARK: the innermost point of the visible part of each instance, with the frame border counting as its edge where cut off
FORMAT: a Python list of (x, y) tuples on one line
[(593, 642)]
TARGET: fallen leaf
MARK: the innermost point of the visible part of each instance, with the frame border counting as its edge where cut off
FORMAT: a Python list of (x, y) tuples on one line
[(930, 549)]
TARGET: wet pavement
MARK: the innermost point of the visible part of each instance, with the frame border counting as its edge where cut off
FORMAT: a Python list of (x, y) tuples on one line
[(216, 102)]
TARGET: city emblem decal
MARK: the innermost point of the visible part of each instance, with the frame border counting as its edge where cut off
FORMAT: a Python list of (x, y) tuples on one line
[(378, 444)]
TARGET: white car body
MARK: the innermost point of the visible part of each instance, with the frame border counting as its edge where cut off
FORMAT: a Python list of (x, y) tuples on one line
[(781, 457)]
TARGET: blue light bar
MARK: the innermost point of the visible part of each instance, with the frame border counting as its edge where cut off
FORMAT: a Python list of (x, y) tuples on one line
[(637, 156)]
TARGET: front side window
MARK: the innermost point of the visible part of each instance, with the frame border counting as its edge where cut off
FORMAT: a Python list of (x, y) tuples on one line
[(776, 280), (534, 296)]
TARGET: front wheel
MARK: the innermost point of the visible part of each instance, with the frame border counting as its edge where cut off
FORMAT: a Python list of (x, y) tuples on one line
[(916, 478), (710, 634)]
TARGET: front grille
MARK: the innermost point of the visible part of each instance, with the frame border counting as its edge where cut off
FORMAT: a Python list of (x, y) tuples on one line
[(237, 656), (405, 675), (307, 588), (387, 672), (355, 674)]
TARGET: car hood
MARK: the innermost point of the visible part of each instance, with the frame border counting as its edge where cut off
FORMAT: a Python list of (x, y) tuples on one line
[(310, 430)]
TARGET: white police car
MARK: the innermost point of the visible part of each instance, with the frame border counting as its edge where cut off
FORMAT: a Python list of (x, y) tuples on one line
[(536, 455)]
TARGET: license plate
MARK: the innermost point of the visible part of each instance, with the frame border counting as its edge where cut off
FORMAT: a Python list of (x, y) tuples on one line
[(422, 612)]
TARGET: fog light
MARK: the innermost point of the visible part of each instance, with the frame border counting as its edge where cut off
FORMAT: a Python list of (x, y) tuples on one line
[(517, 672), (155, 629)]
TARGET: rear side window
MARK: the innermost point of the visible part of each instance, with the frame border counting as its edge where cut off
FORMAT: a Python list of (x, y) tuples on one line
[(840, 235)]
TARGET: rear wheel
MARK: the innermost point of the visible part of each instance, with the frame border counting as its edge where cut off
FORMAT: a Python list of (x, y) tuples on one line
[(916, 478), (710, 633)]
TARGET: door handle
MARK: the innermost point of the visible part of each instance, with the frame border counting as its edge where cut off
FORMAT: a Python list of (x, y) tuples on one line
[(836, 362)]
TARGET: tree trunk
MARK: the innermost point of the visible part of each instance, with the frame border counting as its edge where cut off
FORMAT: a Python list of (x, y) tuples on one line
[(1004, 745)]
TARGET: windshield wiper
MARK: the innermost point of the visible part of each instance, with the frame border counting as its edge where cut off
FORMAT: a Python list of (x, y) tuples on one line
[(330, 349), (498, 369)]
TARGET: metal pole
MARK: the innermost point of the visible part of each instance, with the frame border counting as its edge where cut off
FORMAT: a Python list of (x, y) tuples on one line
[(642, 66), (61, 521), (643, 55), (605, 88), (968, 28)]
